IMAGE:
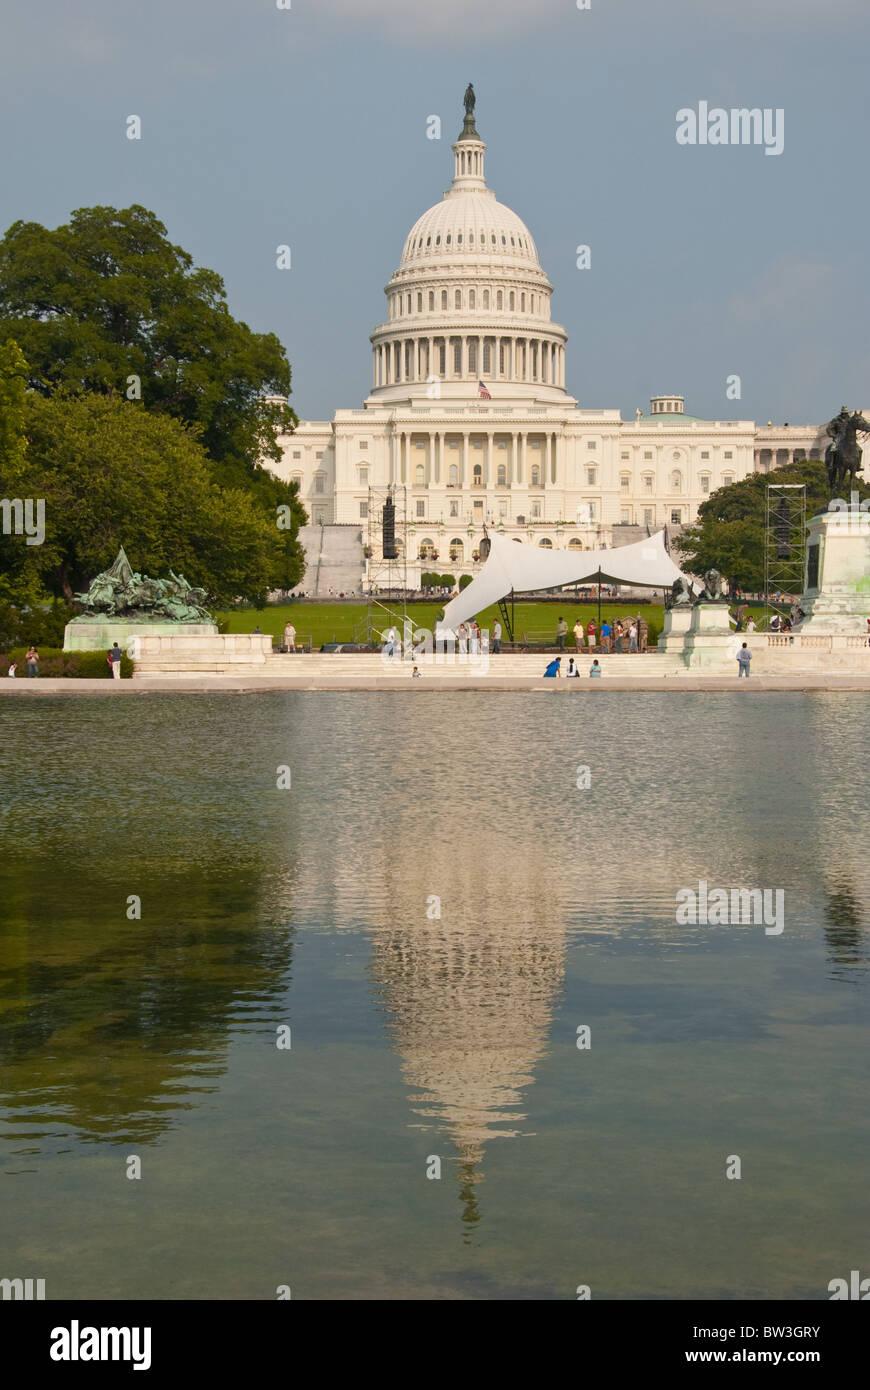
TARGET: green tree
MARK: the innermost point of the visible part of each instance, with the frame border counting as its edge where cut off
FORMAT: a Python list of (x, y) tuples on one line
[(112, 474), (106, 304), (19, 568), (730, 530)]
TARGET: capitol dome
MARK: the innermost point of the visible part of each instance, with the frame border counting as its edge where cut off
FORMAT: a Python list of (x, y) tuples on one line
[(469, 305), (470, 225)]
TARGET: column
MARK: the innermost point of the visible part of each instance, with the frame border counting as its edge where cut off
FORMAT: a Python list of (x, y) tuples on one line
[(463, 467), (436, 456), (402, 461), (522, 468), (514, 474), (433, 367)]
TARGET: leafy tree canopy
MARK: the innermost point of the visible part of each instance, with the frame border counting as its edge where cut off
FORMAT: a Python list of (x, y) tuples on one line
[(108, 297), (113, 474)]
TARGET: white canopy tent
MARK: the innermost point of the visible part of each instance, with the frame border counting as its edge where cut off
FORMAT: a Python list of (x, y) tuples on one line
[(514, 565)]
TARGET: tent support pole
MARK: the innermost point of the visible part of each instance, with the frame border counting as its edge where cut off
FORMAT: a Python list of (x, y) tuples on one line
[(507, 617)]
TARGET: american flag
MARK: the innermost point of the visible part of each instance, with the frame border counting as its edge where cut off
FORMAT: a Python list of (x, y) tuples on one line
[(482, 392)]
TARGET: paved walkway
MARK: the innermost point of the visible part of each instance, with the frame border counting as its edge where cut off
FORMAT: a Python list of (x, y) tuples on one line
[(213, 685)]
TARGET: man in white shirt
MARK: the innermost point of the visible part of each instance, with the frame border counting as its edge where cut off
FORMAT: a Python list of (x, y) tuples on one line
[(289, 637), (496, 636)]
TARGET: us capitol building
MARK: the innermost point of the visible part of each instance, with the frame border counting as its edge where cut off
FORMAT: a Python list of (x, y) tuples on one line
[(470, 420)]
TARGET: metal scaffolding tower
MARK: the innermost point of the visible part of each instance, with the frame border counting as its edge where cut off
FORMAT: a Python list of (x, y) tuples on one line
[(785, 538), (387, 569)]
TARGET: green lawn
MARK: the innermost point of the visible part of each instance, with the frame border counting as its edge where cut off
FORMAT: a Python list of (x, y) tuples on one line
[(345, 622)]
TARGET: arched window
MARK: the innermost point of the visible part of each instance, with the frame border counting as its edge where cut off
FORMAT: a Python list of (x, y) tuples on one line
[(427, 550), (523, 303), (536, 475), (409, 304), (472, 299), (457, 549), (501, 476), (453, 476), (575, 543), (545, 543), (676, 481), (431, 300), (499, 299), (419, 303), (727, 479), (486, 299), (477, 475), (420, 475), (472, 356), (297, 479), (457, 299), (624, 481), (512, 300), (443, 299), (364, 477)]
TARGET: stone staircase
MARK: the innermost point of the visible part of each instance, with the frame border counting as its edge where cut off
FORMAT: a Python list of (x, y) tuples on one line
[(333, 559)]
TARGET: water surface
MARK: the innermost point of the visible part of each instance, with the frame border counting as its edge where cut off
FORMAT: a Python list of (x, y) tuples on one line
[(433, 907)]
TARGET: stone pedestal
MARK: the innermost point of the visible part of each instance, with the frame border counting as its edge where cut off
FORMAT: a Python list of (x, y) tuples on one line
[(710, 643), (836, 597), (675, 628), (96, 636)]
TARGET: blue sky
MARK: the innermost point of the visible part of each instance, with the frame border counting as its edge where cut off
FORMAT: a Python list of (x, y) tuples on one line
[(307, 127)]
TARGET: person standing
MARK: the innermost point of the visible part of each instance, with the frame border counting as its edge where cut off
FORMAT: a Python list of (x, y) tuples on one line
[(561, 634), (496, 637), (744, 656), (32, 659), (289, 637), (578, 634), (632, 638), (605, 636), (590, 634), (114, 660), (462, 635), (750, 626)]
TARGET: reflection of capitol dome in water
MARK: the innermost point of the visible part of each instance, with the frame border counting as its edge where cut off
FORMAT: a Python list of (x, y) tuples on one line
[(470, 999)]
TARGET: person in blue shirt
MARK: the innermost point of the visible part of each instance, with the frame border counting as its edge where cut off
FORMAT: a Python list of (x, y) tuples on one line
[(595, 669), (605, 635), (553, 668)]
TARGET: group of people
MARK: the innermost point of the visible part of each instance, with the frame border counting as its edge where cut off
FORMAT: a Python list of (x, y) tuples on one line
[(31, 657), (555, 668), (625, 635)]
